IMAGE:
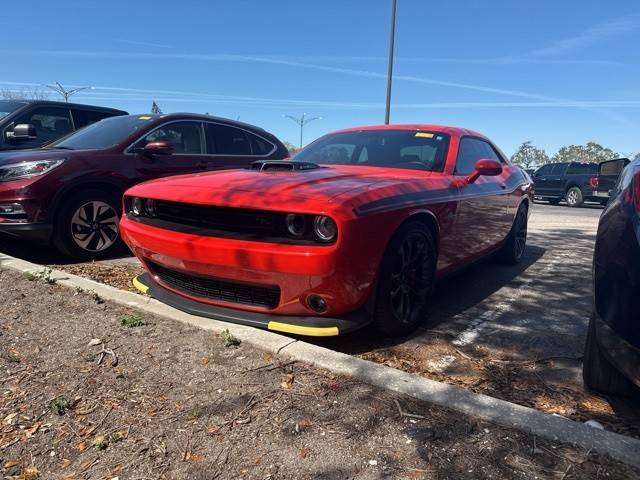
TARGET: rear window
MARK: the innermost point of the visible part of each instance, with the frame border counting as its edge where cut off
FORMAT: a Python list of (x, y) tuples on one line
[(380, 148)]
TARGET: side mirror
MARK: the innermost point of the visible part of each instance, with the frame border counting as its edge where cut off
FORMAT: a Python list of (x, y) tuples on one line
[(485, 167), (157, 148), (22, 132)]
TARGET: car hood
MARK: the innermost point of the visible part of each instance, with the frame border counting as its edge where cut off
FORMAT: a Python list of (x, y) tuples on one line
[(303, 191)]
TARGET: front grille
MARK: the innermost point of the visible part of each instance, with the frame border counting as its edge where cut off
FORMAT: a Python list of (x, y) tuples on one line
[(216, 289)]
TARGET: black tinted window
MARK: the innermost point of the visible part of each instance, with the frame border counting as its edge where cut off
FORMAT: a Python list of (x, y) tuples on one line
[(582, 168), (380, 148), (104, 134), (559, 169), (185, 137), (225, 140), (544, 170), (260, 146), (82, 118), (51, 122), (470, 151), (7, 107)]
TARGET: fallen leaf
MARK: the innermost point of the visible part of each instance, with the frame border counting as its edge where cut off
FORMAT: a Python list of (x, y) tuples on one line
[(304, 451), (30, 473), (9, 418), (287, 381), (66, 462), (10, 464), (204, 361), (82, 446)]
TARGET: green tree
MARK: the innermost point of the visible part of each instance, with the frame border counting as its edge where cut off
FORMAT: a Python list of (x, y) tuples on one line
[(155, 109), (291, 147), (529, 155), (592, 152), (24, 94)]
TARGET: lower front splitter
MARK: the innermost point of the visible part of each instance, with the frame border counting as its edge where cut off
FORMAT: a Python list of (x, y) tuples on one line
[(297, 325)]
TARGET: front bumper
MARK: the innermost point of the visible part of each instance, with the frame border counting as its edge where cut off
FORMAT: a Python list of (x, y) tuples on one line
[(297, 325), (35, 232)]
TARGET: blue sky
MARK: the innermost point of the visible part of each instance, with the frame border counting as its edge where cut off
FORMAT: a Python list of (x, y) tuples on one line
[(554, 72)]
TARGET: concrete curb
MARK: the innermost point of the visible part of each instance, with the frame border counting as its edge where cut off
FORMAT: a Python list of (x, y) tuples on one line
[(501, 412)]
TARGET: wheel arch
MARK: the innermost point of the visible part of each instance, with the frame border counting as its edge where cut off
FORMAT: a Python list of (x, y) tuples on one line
[(106, 185)]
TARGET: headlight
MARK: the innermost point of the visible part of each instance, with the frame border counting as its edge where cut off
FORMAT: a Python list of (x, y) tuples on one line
[(325, 228), (295, 225), (28, 169), (136, 206), (150, 208)]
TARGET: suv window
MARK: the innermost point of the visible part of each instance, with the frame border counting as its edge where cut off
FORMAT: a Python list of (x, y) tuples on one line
[(582, 168), (260, 146), (185, 137), (82, 118), (470, 151), (559, 169), (51, 123), (544, 170), (226, 140)]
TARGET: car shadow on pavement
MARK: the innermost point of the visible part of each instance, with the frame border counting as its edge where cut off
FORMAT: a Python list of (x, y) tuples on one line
[(46, 254)]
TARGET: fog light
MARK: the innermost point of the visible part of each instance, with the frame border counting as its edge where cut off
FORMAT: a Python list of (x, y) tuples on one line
[(136, 206), (12, 209), (317, 303)]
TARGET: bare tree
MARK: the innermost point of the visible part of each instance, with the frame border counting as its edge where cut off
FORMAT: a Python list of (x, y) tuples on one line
[(23, 94)]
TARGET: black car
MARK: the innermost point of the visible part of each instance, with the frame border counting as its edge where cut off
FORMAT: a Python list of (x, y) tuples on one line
[(69, 192), (612, 352), (34, 123), (572, 181)]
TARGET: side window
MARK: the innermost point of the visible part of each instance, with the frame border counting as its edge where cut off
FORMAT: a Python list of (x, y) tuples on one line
[(470, 151), (186, 137), (82, 118), (559, 169), (51, 123), (544, 170), (260, 146), (225, 140)]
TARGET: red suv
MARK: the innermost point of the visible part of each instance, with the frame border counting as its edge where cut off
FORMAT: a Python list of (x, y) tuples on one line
[(69, 192)]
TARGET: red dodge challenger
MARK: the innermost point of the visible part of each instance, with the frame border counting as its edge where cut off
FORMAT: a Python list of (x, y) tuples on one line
[(355, 229)]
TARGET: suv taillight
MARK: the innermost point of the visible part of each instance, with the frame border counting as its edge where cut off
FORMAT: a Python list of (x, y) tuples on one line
[(594, 182)]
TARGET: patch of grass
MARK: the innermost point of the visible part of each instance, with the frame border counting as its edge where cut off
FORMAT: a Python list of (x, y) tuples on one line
[(59, 405), (101, 442), (43, 275), (228, 339), (132, 321)]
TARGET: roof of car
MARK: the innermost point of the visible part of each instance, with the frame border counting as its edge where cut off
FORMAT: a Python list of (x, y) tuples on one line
[(458, 131), (69, 105), (200, 116)]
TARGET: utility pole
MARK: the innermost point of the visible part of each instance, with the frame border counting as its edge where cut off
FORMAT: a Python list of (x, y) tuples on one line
[(392, 36), (64, 92), (302, 121)]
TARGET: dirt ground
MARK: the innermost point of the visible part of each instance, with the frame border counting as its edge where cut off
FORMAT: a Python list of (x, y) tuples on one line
[(179, 404)]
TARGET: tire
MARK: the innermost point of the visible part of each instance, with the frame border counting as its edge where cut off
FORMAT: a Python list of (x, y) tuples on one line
[(86, 226), (600, 375), (555, 201), (512, 251), (405, 280), (574, 197)]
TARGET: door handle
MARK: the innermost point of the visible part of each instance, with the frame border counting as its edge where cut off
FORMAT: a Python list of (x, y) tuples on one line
[(503, 186)]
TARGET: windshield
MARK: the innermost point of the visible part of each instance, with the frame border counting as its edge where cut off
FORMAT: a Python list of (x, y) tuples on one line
[(410, 149), (7, 107), (103, 134)]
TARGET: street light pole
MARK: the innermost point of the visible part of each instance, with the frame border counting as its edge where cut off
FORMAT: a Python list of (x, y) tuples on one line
[(392, 37), (64, 92), (302, 121)]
